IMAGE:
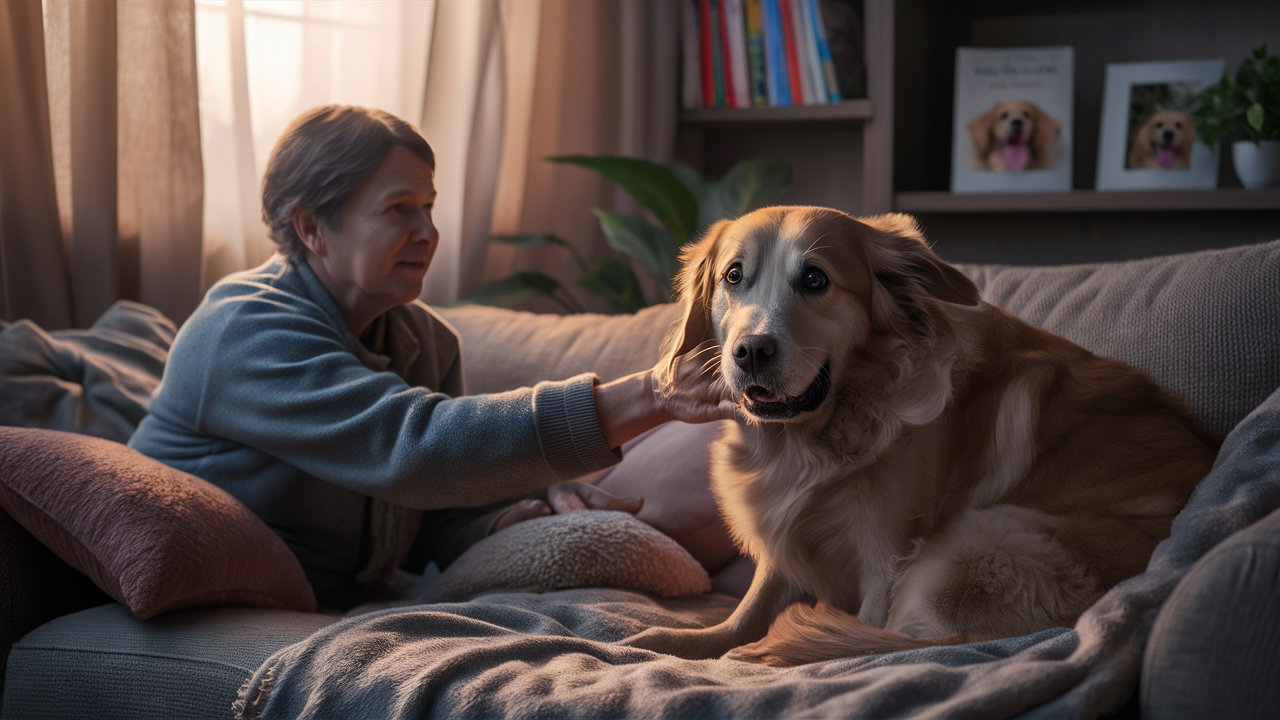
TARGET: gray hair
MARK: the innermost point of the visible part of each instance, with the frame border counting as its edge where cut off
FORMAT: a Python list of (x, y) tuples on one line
[(321, 159)]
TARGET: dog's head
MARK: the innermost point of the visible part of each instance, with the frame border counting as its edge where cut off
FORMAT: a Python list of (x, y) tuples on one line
[(1024, 132), (791, 294), (1169, 134)]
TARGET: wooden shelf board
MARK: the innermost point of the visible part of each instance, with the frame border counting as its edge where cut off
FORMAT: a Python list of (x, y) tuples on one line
[(1089, 201), (847, 111)]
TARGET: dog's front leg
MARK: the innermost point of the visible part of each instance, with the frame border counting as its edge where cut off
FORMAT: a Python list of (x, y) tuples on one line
[(768, 595)]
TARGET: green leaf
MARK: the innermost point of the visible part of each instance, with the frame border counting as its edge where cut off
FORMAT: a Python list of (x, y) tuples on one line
[(651, 184), (651, 246), (1254, 116), (616, 282), (749, 185), (692, 180), (512, 290)]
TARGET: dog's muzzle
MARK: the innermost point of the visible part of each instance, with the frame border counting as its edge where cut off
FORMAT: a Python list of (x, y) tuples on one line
[(792, 405)]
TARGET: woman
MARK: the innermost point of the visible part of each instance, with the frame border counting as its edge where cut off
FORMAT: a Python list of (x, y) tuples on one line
[(319, 392)]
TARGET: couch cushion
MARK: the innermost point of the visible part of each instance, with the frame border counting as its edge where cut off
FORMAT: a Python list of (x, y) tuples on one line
[(106, 663), (1203, 325), (152, 537)]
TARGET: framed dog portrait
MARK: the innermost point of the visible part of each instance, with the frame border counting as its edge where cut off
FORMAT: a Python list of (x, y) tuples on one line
[(1012, 127), (1148, 139)]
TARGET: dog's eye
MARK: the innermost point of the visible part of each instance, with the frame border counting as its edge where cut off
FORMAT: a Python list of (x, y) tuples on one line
[(1160, 124), (733, 275), (1004, 115), (813, 279), (1178, 125)]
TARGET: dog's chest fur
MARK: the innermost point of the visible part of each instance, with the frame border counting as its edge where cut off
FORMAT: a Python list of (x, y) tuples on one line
[(835, 532)]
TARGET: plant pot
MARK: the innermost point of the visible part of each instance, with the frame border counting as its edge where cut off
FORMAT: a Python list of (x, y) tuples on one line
[(1257, 166)]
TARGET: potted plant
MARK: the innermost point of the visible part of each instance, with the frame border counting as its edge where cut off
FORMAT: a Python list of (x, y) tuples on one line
[(682, 201), (1246, 107)]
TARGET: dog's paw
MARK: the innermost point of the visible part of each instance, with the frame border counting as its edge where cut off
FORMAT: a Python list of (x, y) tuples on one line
[(760, 653)]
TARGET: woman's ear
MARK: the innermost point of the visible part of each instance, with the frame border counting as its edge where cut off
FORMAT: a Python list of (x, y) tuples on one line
[(696, 283), (307, 226), (905, 272), (980, 131)]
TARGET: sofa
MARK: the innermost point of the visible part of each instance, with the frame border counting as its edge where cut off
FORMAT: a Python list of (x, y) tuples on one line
[(1198, 635)]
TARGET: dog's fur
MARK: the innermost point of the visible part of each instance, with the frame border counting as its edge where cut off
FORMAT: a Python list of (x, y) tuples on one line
[(1168, 130), (1014, 122), (966, 476)]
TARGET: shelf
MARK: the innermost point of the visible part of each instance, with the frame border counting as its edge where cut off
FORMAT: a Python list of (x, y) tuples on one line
[(847, 111), (1089, 201)]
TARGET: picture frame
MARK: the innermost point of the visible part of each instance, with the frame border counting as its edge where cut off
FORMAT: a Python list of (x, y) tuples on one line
[(1012, 124), (1147, 139)]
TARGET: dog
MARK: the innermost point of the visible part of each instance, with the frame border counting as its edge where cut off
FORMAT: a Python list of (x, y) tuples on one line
[(1014, 135), (916, 467), (1163, 142)]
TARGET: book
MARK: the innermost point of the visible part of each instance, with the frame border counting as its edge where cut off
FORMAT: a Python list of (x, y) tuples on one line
[(842, 20), (705, 51), (755, 53), (717, 57), (691, 67), (735, 32), (811, 62), (776, 55), (793, 57), (828, 68)]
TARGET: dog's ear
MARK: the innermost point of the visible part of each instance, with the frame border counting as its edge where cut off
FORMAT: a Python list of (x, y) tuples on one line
[(980, 132), (695, 285), (1188, 140), (906, 272), (1044, 139), (1140, 148)]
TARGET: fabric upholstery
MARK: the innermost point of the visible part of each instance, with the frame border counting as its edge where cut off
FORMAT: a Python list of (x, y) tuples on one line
[(1203, 325), (152, 537), (587, 548), (1213, 648), (105, 663)]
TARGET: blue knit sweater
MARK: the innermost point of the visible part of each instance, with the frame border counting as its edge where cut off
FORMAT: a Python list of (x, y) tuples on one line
[(269, 395)]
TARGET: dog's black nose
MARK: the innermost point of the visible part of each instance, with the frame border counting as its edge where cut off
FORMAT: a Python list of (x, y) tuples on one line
[(754, 352), (1168, 135), (1016, 123)]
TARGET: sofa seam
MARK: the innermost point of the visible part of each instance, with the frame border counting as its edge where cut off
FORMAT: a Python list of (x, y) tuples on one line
[(83, 651)]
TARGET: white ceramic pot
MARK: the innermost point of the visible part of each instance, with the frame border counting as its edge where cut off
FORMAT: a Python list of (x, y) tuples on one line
[(1258, 166)]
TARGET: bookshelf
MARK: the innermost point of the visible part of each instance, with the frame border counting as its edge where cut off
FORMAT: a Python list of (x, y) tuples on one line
[(892, 151)]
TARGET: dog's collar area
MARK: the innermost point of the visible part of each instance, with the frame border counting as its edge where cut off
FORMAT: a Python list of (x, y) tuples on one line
[(791, 406)]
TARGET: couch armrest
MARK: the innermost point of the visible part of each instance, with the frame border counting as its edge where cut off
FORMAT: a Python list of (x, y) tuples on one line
[(1215, 647), (36, 586)]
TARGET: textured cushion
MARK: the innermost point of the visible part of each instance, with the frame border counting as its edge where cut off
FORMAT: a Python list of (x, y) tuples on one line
[(506, 349), (587, 548), (105, 663), (1202, 325), (152, 537), (1213, 650)]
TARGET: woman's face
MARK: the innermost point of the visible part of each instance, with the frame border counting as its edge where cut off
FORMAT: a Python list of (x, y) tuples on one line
[(380, 254)]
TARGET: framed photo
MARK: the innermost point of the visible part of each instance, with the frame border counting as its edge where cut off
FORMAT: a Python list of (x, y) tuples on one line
[(1012, 125), (1148, 139)]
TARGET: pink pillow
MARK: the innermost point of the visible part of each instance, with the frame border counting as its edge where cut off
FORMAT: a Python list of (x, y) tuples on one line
[(152, 537)]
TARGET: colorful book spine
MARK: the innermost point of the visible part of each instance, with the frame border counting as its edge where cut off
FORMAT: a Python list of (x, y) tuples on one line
[(708, 65), (691, 71), (735, 31), (802, 51), (755, 53), (793, 57), (717, 55), (812, 60), (725, 48), (776, 54), (824, 53)]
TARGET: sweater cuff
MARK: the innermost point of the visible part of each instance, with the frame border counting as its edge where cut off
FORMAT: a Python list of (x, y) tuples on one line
[(569, 428)]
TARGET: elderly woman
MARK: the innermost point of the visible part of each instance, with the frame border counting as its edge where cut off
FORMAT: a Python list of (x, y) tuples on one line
[(319, 391)]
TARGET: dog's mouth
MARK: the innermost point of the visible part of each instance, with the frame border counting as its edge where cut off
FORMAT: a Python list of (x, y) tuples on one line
[(767, 405)]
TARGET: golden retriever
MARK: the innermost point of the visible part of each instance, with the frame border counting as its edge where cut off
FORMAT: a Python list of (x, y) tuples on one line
[(1163, 142), (1014, 135), (918, 467)]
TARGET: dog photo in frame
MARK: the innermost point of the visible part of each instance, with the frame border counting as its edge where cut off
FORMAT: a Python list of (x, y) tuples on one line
[(1148, 135)]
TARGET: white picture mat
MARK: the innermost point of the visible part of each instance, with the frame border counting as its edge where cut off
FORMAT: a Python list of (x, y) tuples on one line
[(1114, 137), (974, 97)]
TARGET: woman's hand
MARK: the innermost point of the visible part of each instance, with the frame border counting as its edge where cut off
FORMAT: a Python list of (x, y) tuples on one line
[(567, 497)]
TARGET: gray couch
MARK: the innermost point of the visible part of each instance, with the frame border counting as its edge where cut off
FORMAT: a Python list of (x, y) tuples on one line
[(1204, 325)]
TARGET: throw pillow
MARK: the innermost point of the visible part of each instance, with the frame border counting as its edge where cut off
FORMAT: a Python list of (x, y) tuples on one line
[(152, 537)]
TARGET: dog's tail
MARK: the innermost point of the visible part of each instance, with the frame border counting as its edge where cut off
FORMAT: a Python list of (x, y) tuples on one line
[(811, 633)]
